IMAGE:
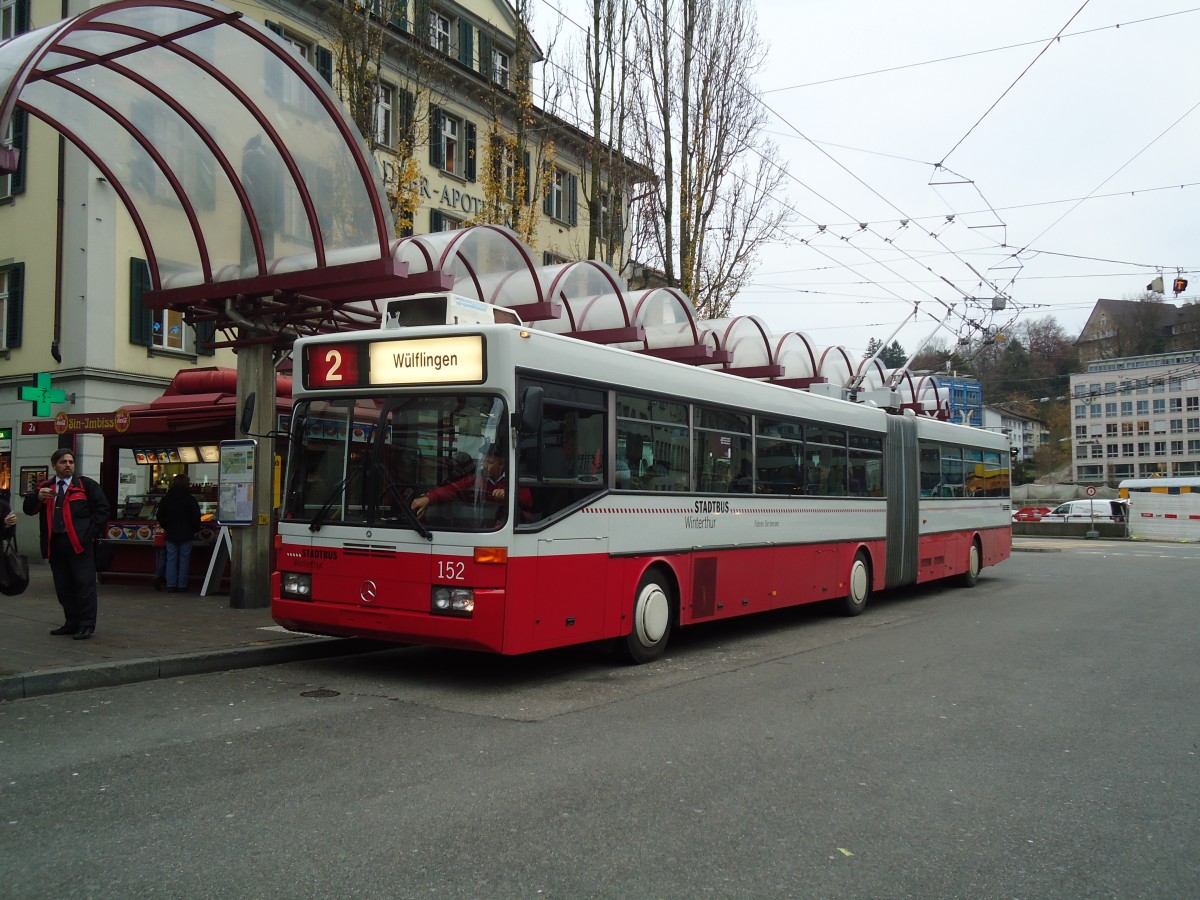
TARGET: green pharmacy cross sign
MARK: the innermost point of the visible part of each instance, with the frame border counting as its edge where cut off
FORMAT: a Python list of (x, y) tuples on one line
[(42, 394)]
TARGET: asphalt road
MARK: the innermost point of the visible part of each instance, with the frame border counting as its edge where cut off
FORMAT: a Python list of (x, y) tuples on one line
[(1035, 737)]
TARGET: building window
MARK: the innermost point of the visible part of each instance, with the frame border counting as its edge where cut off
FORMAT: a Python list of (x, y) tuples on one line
[(14, 137), (1110, 410), (452, 144), (1081, 432), (1127, 449), (440, 221), (1080, 411), (1112, 451), (1177, 448), (1110, 430), (1176, 404), (11, 306), (1127, 407), (1193, 403), (550, 258), (1143, 427), (1143, 407), (1177, 426), (500, 67), (1160, 448), (562, 197), (1193, 425), (1160, 407), (1097, 451), (439, 31), (1193, 446), (385, 127)]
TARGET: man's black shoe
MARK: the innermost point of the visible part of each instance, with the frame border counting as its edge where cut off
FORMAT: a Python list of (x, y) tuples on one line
[(84, 633), (65, 629)]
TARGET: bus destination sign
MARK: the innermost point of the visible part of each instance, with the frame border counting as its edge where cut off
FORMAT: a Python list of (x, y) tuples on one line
[(448, 360)]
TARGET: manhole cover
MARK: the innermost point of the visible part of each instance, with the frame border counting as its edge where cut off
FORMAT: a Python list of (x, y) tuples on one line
[(322, 693)]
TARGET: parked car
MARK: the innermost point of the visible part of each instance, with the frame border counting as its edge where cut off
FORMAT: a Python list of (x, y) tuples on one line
[(1088, 511), (1030, 513)]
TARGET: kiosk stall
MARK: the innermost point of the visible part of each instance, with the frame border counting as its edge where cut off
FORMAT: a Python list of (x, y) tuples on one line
[(146, 445)]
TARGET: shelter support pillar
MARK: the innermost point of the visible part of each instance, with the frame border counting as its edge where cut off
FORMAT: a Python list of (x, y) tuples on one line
[(250, 585)]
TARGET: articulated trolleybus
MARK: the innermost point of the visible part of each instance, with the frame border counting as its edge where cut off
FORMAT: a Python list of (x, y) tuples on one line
[(498, 488)]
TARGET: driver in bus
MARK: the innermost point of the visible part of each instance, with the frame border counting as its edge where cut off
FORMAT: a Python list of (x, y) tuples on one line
[(488, 485)]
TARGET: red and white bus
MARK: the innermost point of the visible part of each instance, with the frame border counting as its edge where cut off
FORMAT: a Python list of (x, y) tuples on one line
[(636, 495)]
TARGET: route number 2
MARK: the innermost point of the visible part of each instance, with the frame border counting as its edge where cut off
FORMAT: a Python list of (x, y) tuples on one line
[(333, 365)]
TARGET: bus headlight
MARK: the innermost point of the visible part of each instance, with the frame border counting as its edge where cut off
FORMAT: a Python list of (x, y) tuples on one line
[(452, 601), (295, 584)]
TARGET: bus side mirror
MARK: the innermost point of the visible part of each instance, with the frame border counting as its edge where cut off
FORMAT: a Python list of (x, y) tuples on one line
[(529, 417)]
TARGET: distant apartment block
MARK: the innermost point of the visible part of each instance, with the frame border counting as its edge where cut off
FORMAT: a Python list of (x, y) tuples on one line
[(1137, 417)]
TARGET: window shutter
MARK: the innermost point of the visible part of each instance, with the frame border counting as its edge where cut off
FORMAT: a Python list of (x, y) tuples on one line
[(323, 57), (436, 147), (16, 305), (20, 123), (548, 187), (470, 130), (435, 221), (572, 200), (407, 109), (486, 68), (22, 22), (141, 325), (528, 179), (466, 44), (205, 332), (400, 15)]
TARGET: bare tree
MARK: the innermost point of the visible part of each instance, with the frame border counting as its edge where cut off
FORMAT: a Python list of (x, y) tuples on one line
[(520, 145), (608, 183), (717, 200), (361, 44)]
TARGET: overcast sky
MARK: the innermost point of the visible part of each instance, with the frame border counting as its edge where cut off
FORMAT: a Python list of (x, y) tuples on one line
[(866, 97)]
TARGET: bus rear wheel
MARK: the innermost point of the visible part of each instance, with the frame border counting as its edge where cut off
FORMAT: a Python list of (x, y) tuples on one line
[(859, 592), (970, 577), (652, 615)]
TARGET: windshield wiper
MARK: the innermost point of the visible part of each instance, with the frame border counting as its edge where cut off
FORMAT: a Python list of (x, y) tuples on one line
[(335, 495), (391, 491)]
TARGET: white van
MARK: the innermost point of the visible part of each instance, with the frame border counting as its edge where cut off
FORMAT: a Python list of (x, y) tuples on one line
[(1088, 511)]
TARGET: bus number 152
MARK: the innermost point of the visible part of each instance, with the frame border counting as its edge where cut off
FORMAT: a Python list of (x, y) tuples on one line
[(451, 570)]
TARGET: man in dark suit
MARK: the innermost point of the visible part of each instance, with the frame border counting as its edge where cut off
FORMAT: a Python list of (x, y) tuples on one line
[(71, 511)]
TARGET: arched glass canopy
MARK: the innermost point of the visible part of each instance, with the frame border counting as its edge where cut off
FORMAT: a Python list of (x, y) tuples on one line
[(238, 166)]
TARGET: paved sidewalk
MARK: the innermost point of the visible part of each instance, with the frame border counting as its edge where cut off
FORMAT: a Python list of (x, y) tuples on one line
[(141, 634)]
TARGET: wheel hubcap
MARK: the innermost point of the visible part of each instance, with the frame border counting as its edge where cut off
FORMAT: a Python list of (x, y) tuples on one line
[(652, 615), (858, 581)]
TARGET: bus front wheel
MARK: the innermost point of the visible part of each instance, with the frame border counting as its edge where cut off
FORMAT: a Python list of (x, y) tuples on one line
[(651, 619), (859, 587)]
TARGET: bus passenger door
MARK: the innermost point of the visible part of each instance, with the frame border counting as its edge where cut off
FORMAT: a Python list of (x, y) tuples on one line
[(569, 593)]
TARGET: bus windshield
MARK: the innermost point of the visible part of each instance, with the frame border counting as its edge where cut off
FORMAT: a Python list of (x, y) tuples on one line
[(420, 462)]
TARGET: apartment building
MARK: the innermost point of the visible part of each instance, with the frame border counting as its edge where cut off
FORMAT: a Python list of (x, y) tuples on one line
[(1137, 417)]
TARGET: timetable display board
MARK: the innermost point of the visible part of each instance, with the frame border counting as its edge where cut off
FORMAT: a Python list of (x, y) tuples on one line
[(235, 482)]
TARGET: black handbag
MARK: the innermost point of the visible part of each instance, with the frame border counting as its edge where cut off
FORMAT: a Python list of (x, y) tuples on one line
[(14, 569)]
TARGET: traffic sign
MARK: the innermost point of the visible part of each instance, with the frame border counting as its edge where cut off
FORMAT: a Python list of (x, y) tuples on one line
[(1091, 491)]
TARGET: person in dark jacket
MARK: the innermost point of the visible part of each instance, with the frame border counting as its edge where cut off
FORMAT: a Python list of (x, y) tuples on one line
[(71, 511), (179, 516)]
